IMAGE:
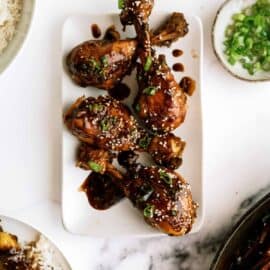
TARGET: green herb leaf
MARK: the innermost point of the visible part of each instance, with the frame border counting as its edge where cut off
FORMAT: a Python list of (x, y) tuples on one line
[(174, 213), (95, 166), (121, 4), (149, 211), (104, 61), (165, 177), (137, 107), (144, 142), (148, 63), (95, 65), (150, 91), (96, 107), (105, 125)]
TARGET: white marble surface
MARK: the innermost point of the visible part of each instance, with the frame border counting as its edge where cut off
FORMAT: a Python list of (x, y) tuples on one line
[(237, 147)]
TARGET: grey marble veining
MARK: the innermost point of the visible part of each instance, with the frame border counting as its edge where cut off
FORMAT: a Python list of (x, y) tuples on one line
[(195, 252)]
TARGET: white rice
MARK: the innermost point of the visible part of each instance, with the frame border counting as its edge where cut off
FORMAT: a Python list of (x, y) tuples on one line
[(42, 255), (10, 13)]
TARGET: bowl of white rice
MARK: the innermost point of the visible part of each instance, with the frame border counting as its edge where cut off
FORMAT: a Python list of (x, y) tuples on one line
[(15, 21)]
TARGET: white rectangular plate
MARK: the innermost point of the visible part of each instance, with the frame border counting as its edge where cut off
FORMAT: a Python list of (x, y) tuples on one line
[(123, 219)]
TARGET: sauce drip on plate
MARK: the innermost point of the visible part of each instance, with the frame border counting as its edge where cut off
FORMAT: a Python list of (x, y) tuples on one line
[(101, 191), (179, 67), (96, 32), (177, 53), (188, 85), (120, 91)]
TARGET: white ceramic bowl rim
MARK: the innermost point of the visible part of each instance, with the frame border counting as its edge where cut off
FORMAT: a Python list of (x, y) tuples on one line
[(20, 35)]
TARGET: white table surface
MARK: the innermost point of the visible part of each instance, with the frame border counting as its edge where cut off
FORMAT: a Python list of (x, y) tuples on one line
[(236, 129)]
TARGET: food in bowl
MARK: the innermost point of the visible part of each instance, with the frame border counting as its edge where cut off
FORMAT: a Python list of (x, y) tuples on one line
[(247, 38), (36, 255), (10, 14), (256, 253)]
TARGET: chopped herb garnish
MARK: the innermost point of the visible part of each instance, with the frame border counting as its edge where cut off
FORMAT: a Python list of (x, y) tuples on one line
[(174, 213), (137, 107), (95, 65), (150, 91), (149, 211), (95, 166), (165, 177), (148, 63), (247, 38), (107, 123), (121, 4), (104, 61), (144, 142), (96, 107)]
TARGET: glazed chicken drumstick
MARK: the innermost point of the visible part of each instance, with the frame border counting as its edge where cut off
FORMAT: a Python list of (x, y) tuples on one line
[(104, 63), (160, 103), (162, 195), (107, 124)]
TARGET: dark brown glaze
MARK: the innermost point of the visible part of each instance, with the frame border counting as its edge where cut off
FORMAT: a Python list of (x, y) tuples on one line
[(136, 10), (107, 124), (101, 63), (112, 34), (101, 190), (178, 67), (12, 262), (103, 122), (161, 101), (188, 85), (120, 92), (177, 53), (167, 150), (96, 32), (174, 28), (163, 197), (165, 108)]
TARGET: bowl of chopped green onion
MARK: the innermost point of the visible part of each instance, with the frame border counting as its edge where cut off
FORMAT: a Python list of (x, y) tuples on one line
[(241, 38)]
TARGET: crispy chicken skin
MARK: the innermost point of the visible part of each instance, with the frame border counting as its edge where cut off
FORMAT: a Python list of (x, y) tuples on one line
[(140, 10), (101, 63), (174, 28), (105, 123), (166, 150), (104, 63), (163, 197), (162, 103)]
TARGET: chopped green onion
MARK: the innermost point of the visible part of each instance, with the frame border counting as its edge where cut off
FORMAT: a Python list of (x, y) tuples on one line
[(95, 65), (149, 211), (95, 166), (148, 63), (137, 107), (247, 39), (165, 177), (121, 4), (96, 107), (174, 213), (144, 142), (105, 125), (150, 91), (105, 61)]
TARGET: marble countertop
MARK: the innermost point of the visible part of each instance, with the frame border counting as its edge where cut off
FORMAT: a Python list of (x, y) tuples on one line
[(236, 144)]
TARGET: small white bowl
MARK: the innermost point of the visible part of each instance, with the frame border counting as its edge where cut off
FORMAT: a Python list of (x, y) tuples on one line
[(22, 30), (222, 20)]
